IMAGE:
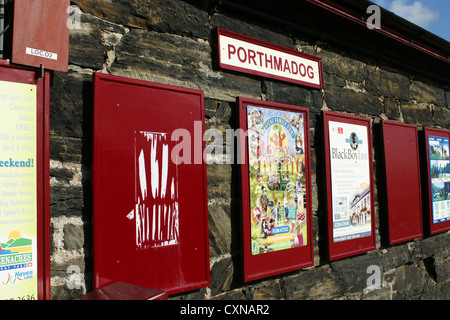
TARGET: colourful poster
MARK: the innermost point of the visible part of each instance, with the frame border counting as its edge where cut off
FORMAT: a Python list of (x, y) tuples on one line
[(350, 181), (277, 179), (18, 208), (438, 149)]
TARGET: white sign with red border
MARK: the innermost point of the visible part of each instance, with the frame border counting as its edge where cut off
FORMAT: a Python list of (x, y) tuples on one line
[(245, 54)]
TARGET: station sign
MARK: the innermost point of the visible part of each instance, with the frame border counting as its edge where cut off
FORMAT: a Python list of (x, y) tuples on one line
[(245, 54)]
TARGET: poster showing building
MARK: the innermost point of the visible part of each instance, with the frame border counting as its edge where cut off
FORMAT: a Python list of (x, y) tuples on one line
[(277, 179), (438, 148), (18, 191), (350, 181)]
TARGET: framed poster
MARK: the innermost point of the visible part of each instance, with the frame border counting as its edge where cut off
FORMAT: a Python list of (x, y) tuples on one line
[(276, 188), (349, 179), (438, 172), (150, 200), (402, 176), (24, 185)]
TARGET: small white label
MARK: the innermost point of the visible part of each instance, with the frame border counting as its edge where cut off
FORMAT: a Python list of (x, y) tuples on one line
[(42, 53)]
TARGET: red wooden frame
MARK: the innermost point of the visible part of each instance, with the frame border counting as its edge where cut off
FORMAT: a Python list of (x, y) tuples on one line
[(122, 107), (433, 228), (277, 262), (13, 73), (403, 186), (273, 46), (346, 248)]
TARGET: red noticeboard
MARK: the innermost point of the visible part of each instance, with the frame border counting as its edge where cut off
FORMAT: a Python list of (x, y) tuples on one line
[(276, 189), (150, 202), (41, 33), (349, 179), (25, 202), (438, 179), (403, 188)]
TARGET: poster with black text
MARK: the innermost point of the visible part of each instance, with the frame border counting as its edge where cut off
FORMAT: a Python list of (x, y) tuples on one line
[(350, 181)]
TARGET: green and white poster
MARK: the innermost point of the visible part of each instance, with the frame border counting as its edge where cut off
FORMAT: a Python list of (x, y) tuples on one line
[(440, 178), (277, 179), (18, 188)]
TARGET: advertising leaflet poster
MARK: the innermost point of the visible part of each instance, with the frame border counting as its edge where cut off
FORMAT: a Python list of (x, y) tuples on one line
[(277, 179), (350, 181), (440, 178), (18, 200)]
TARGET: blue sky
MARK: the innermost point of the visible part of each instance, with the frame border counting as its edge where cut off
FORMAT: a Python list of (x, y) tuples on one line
[(432, 15)]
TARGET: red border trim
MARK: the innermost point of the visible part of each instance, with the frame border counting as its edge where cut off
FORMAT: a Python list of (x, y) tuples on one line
[(29, 76), (392, 239), (223, 32), (434, 228), (272, 263), (98, 77), (347, 248)]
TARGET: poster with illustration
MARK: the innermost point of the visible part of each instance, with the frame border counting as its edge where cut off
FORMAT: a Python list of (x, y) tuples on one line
[(350, 181), (18, 190), (277, 179), (440, 178)]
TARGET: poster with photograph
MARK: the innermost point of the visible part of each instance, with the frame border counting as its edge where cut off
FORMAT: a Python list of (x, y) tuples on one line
[(350, 181), (18, 189), (276, 179), (440, 178)]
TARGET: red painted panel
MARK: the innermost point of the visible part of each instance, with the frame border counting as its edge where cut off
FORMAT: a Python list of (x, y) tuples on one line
[(150, 213), (41, 34), (403, 188), (438, 181), (299, 254), (354, 242)]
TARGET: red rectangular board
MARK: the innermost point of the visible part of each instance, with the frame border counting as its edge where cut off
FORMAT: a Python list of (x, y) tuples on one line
[(150, 208), (275, 171), (438, 181), (25, 75), (349, 180), (403, 187), (41, 33)]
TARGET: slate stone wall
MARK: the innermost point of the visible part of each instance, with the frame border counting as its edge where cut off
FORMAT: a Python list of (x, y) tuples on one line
[(171, 42)]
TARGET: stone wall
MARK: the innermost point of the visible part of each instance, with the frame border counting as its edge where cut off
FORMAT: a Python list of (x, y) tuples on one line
[(171, 42)]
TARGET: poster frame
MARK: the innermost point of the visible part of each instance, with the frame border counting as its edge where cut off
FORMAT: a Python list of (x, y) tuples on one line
[(401, 229), (346, 248), (27, 75), (268, 264), (106, 271), (433, 228)]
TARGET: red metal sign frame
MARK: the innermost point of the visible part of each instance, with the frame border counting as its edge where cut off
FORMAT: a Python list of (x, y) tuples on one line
[(272, 46), (131, 118), (24, 75), (276, 262), (433, 228), (403, 186), (342, 249)]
